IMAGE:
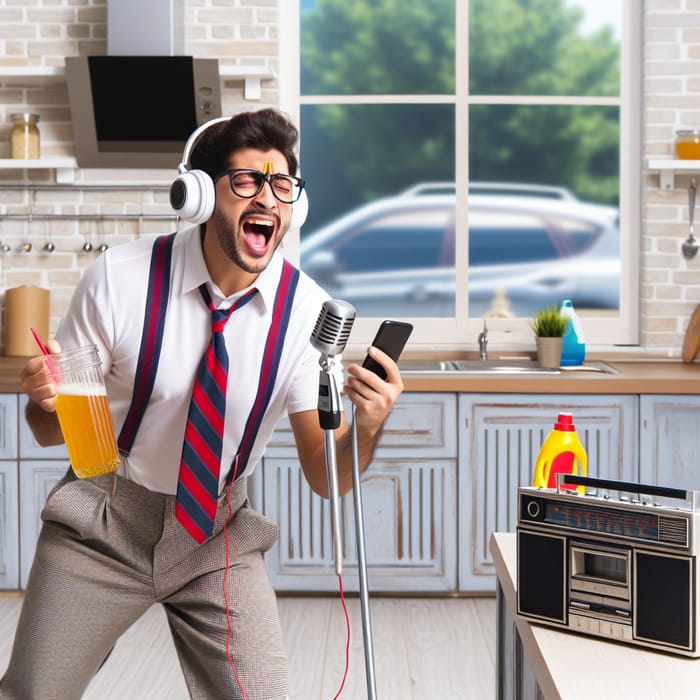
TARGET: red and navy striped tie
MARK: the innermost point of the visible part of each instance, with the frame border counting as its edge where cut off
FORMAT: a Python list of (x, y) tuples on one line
[(198, 484)]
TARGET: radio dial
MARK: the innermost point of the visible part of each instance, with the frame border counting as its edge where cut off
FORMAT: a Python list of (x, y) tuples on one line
[(533, 509)]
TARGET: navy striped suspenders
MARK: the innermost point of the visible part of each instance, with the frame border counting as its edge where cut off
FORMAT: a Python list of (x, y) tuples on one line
[(152, 339)]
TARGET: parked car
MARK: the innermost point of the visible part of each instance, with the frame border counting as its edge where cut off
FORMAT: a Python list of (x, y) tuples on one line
[(534, 245)]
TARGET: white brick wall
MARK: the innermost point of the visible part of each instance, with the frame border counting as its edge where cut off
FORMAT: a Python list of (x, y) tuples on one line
[(42, 32), (670, 284)]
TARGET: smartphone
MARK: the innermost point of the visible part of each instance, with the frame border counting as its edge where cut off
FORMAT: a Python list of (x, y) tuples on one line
[(391, 338)]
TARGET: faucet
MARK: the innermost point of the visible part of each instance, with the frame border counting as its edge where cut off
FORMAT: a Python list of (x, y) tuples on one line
[(483, 342)]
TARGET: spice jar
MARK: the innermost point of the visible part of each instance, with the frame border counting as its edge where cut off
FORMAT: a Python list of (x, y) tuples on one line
[(24, 135), (688, 144)]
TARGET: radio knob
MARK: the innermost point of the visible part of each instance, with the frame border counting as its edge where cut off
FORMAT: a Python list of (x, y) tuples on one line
[(533, 509)]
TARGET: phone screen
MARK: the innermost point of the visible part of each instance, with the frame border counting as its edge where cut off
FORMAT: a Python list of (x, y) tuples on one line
[(391, 339)]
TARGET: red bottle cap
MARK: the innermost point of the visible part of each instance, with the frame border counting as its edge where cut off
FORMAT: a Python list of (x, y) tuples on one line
[(565, 422)]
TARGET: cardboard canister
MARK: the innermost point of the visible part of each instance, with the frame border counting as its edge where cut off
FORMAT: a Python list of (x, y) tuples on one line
[(26, 307)]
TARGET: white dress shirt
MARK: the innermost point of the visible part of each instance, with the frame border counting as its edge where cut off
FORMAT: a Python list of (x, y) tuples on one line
[(108, 308)]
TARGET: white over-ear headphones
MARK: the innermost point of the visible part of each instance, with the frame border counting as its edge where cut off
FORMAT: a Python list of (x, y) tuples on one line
[(192, 192)]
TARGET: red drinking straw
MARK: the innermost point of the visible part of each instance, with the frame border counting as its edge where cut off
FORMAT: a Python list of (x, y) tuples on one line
[(44, 350)]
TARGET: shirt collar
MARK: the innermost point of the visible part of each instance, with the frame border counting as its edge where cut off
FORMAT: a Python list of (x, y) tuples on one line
[(195, 272)]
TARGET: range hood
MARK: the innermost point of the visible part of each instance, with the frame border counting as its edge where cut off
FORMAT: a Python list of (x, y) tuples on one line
[(136, 106)]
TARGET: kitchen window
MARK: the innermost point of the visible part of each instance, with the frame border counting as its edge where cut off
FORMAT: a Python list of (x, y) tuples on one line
[(469, 159)]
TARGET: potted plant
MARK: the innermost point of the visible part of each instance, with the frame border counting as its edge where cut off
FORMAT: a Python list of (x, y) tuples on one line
[(549, 327)]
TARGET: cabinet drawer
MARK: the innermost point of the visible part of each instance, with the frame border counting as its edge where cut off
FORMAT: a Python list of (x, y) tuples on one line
[(426, 423), (29, 448)]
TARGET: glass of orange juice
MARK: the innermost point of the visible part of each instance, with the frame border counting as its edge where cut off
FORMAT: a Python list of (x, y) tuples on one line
[(83, 411)]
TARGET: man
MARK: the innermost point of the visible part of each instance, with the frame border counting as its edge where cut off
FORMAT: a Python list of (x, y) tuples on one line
[(113, 545)]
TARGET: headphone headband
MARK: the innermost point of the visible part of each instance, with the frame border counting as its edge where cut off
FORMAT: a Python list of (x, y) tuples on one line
[(192, 142)]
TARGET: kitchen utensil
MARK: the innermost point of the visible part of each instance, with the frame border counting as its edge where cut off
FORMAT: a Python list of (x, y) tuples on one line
[(690, 245), (691, 341), (49, 246)]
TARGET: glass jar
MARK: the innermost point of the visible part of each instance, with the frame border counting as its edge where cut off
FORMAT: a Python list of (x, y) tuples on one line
[(688, 144), (24, 135)]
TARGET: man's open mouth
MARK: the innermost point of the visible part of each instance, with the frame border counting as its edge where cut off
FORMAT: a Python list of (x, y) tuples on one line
[(258, 231)]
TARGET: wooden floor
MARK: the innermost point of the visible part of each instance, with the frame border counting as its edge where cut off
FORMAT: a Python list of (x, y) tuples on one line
[(424, 649)]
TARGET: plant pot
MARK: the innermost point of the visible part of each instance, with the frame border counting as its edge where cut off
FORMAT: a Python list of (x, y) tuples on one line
[(549, 352)]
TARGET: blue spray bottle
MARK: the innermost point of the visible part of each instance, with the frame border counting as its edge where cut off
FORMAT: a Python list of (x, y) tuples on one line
[(573, 349)]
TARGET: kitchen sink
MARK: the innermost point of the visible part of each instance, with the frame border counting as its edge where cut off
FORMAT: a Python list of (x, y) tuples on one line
[(516, 365)]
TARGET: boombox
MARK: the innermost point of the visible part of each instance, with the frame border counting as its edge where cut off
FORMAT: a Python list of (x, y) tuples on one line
[(619, 561)]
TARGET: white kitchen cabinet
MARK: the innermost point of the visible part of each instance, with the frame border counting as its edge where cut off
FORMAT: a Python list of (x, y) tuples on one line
[(409, 503), (500, 436), (40, 468), (37, 478), (670, 440), (9, 499)]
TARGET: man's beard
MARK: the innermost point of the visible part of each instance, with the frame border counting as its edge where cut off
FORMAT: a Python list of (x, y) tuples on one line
[(226, 235)]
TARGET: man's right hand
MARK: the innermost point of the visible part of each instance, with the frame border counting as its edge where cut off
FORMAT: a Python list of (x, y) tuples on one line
[(37, 381)]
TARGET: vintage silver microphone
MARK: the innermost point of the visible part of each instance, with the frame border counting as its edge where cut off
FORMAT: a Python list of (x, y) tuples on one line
[(329, 337)]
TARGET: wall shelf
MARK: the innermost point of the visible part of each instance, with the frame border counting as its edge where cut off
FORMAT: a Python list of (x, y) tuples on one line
[(64, 166), (31, 75), (667, 170), (252, 76)]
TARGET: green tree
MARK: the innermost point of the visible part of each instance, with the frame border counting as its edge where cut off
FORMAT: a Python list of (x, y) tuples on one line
[(520, 47), (356, 152)]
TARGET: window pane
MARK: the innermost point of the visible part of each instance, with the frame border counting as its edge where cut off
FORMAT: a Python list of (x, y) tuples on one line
[(543, 209), (380, 231), (371, 47), (544, 47), (575, 148)]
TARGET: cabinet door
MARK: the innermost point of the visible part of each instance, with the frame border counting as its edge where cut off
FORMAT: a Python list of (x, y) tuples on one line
[(9, 525), (500, 438), (669, 440), (37, 478), (9, 520), (408, 501)]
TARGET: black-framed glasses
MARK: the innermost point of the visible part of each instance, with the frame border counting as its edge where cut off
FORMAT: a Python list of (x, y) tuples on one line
[(247, 183)]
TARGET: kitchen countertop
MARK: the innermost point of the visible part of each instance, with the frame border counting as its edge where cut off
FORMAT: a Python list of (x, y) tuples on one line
[(636, 376)]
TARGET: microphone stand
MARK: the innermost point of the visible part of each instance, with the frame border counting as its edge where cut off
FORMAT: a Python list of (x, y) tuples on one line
[(362, 565), (329, 417)]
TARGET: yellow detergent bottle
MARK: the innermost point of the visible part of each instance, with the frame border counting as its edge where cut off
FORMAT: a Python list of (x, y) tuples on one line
[(561, 452)]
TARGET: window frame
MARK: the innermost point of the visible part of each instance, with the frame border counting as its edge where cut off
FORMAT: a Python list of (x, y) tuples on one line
[(461, 332)]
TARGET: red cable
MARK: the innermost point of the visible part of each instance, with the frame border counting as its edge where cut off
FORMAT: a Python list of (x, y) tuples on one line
[(228, 612), (347, 642)]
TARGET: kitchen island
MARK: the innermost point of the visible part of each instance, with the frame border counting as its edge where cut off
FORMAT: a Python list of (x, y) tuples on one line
[(572, 666)]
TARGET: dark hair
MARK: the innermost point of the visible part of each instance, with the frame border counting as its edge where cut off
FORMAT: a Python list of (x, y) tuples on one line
[(264, 129)]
